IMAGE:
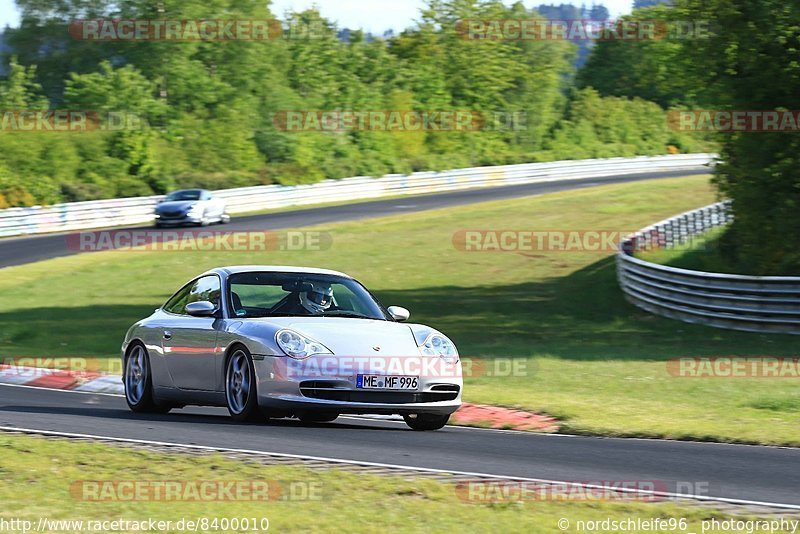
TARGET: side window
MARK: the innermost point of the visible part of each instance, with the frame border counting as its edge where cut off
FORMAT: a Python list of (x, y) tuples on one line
[(206, 288)]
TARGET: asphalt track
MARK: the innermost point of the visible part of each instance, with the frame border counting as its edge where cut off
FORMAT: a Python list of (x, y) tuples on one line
[(763, 474), (22, 250), (735, 472)]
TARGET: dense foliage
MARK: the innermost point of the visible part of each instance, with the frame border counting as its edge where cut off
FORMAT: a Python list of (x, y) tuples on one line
[(209, 106), (748, 61)]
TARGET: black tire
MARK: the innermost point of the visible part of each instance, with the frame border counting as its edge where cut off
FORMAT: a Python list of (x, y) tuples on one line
[(424, 422), (318, 417), (242, 401), (138, 382)]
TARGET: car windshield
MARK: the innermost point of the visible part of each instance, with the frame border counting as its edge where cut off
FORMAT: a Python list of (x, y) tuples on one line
[(184, 195), (267, 294)]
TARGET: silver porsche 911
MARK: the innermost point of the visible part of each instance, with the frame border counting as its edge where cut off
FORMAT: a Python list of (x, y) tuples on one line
[(289, 342)]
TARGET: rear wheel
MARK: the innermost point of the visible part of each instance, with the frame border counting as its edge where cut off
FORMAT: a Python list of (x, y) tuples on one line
[(138, 382), (240, 387), (318, 417), (420, 421)]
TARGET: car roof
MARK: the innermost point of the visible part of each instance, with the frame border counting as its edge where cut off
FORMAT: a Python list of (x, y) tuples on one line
[(236, 269)]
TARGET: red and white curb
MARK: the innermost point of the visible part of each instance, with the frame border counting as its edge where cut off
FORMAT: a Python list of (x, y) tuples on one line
[(85, 381)]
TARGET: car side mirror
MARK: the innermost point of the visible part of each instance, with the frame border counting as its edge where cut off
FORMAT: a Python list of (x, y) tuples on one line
[(201, 308), (398, 313)]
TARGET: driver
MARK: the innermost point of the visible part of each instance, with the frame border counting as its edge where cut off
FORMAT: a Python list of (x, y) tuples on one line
[(317, 300)]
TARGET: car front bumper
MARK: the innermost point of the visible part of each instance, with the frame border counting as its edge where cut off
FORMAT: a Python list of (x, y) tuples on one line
[(337, 392)]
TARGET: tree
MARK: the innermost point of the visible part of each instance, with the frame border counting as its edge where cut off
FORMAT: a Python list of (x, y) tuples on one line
[(207, 108), (750, 62), (599, 12), (20, 91), (657, 70)]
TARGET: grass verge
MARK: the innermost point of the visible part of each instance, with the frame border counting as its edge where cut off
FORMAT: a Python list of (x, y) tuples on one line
[(583, 354), (44, 479), (704, 253)]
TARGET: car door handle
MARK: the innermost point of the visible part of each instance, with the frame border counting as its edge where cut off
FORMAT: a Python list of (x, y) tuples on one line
[(167, 335)]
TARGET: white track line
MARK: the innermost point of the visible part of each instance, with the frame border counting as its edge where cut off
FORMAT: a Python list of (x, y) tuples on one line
[(666, 495)]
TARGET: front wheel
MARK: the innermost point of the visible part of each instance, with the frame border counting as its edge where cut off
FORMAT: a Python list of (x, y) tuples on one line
[(420, 421), (138, 383), (240, 387)]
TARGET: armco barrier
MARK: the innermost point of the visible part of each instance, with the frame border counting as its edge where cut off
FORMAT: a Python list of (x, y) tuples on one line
[(737, 302), (135, 211)]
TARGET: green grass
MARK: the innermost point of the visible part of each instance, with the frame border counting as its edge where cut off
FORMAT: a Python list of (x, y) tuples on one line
[(591, 359), (702, 254), (707, 253), (40, 473)]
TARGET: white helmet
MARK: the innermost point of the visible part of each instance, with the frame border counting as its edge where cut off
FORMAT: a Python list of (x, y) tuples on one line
[(318, 299)]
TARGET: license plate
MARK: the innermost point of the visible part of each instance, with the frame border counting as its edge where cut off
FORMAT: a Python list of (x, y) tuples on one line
[(387, 382)]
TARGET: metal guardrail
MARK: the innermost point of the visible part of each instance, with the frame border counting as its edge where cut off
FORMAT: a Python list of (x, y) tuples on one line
[(736, 302), (136, 211)]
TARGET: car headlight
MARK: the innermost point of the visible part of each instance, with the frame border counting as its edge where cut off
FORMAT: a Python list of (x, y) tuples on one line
[(438, 345), (298, 346), (195, 210)]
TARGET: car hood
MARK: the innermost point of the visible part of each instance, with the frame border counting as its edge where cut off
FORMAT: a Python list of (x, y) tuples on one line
[(177, 205), (354, 337)]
